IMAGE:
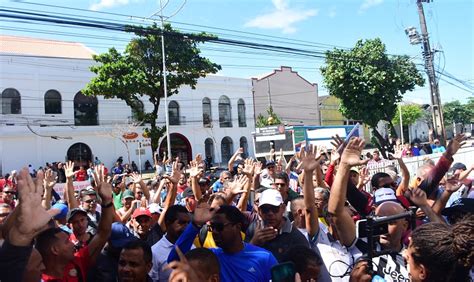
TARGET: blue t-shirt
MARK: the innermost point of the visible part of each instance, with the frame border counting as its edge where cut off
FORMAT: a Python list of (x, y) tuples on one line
[(251, 264), (217, 186), (437, 149)]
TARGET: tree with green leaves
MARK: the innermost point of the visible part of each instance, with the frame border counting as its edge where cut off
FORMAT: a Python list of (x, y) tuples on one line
[(271, 119), (410, 114), (138, 71), (369, 83), (455, 112)]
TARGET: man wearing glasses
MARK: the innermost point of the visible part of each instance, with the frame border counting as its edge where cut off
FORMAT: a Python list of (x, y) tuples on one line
[(239, 261), (275, 232), (89, 204)]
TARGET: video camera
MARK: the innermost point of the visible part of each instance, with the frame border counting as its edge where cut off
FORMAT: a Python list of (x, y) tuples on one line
[(374, 227)]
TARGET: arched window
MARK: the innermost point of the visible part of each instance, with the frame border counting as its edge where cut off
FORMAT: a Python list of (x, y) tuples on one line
[(209, 149), (226, 149), (11, 101), (52, 102), (241, 112), (173, 113), (137, 110), (206, 112), (225, 116), (85, 110), (245, 146)]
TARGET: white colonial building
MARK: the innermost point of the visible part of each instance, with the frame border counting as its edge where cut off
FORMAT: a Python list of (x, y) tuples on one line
[(45, 118)]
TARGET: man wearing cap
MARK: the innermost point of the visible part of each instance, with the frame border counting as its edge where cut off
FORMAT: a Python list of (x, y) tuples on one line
[(61, 218), (275, 232), (459, 209), (105, 269), (89, 204), (129, 205), (460, 171), (189, 199), (117, 192), (78, 222), (60, 259), (142, 226)]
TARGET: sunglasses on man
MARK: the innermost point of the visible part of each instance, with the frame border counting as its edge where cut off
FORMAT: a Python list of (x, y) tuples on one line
[(218, 226), (269, 208)]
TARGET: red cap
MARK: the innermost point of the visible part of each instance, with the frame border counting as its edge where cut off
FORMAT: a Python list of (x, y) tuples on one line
[(141, 211)]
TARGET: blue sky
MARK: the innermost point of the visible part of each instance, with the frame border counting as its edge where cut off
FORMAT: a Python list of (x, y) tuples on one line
[(326, 22)]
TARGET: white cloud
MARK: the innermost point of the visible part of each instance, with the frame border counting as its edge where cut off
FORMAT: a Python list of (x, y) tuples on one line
[(282, 17), (108, 4), (369, 4)]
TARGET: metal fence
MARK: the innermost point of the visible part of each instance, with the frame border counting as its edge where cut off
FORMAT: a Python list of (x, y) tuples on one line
[(464, 155)]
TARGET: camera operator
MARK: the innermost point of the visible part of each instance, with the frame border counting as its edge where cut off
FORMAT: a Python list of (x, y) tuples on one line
[(391, 268)]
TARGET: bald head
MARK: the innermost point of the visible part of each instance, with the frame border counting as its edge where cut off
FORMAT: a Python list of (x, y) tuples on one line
[(389, 208), (297, 204)]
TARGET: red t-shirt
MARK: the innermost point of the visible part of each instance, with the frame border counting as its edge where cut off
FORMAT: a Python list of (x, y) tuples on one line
[(75, 271), (81, 175)]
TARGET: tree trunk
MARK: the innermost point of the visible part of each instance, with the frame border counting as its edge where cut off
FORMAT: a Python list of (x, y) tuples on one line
[(381, 142), (392, 129), (154, 136)]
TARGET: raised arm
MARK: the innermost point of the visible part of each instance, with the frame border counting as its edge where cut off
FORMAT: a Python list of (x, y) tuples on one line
[(451, 186), (69, 172), (108, 213), (310, 164), (404, 184), (195, 173), (230, 164), (248, 171), (344, 224), (418, 197), (48, 184), (137, 179)]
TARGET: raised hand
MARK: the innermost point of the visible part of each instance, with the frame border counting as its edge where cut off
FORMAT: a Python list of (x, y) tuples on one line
[(30, 217), (49, 179), (418, 197), (337, 142), (103, 187), (136, 178), (397, 155), (351, 154), (452, 185), (195, 170), (364, 176), (249, 167), (308, 159), (203, 213), (455, 144), (258, 168), (198, 158), (237, 186), (335, 156), (69, 169)]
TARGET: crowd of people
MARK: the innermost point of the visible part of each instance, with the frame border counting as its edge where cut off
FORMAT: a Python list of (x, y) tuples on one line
[(308, 218)]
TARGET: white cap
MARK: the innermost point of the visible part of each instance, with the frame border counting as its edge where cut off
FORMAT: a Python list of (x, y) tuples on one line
[(155, 208), (266, 182), (270, 197), (384, 195)]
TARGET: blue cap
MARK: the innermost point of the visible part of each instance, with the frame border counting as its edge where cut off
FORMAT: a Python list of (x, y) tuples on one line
[(120, 235), (63, 210)]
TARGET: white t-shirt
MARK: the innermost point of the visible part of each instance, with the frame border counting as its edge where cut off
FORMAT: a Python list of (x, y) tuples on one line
[(337, 259)]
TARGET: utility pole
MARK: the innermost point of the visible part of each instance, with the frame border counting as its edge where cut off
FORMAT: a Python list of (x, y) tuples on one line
[(269, 93), (428, 55)]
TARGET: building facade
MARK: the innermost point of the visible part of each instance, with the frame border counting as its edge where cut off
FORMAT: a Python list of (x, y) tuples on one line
[(45, 118), (293, 98)]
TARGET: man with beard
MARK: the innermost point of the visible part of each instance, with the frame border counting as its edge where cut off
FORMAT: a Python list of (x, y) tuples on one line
[(176, 220)]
